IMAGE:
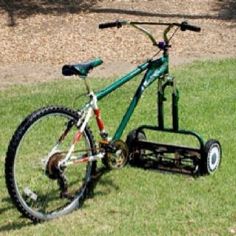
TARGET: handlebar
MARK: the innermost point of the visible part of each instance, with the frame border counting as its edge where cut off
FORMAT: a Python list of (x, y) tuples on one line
[(183, 27), (117, 24)]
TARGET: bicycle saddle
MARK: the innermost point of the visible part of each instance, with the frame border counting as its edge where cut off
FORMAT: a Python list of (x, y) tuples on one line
[(81, 69)]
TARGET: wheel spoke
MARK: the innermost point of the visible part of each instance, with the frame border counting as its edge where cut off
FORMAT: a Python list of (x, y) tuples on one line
[(35, 182)]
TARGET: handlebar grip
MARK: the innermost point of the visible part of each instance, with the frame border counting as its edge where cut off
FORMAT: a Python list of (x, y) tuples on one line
[(185, 26), (117, 24)]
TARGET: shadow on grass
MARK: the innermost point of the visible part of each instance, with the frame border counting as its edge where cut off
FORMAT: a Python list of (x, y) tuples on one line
[(21, 222), (97, 178), (166, 167), (10, 205), (9, 224), (14, 226)]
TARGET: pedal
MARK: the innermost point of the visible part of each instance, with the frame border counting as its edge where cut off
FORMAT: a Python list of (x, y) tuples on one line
[(30, 194)]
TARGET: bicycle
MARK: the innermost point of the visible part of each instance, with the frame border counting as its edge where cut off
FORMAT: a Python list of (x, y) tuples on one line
[(49, 177)]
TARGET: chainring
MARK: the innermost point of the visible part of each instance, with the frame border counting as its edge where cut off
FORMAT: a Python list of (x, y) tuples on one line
[(117, 156)]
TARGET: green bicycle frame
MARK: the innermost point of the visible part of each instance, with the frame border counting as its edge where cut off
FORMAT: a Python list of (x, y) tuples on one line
[(154, 69)]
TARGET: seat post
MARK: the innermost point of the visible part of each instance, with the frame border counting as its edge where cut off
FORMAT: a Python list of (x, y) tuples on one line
[(87, 85)]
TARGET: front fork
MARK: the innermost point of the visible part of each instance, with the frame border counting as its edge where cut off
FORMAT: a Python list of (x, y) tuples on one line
[(170, 81)]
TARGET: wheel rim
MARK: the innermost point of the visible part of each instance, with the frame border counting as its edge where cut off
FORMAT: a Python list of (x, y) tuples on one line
[(213, 158), (37, 193)]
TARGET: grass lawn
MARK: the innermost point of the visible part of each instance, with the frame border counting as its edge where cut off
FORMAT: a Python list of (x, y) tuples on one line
[(135, 201)]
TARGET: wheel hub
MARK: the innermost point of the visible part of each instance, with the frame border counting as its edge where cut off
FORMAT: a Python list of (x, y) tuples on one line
[(214, 157), (52, 169)]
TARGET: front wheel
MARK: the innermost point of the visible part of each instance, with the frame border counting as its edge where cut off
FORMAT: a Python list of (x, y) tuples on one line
[(39, 190), (211, 157)]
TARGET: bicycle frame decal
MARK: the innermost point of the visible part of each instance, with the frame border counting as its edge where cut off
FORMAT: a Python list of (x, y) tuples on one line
[(100, 123)]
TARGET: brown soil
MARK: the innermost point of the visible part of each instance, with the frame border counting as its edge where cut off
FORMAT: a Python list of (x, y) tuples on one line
[(38, 37)]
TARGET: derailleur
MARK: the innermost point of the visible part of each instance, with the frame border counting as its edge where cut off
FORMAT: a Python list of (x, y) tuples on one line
[(55, 173)]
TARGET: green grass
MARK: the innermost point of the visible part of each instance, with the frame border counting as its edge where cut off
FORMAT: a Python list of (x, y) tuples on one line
[(135, 201)]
